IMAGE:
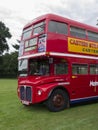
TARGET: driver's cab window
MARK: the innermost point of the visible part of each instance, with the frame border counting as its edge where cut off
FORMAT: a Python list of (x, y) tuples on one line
[(44, 69), (39, 67), (61, 68)]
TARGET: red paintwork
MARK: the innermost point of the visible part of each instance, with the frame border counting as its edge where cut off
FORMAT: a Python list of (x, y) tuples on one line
[(78, 85)]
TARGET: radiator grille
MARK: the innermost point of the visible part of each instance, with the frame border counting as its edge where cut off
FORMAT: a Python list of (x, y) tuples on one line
[(26, 93)]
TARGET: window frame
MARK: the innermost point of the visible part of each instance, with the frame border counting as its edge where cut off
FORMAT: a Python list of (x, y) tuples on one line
[(26, 34), (66, 68), (39, 25), (95, 71), (39, 64), (78, 72), (65, 32), (91, 34), (74, 30)]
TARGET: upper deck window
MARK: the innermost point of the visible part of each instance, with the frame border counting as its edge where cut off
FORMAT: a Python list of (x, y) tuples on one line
[(77, 32), (38, 28), (58, 27), (93, 36), (27, 33)]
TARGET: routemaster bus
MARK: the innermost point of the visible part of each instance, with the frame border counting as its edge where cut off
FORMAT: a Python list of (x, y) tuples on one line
[(58, 62)]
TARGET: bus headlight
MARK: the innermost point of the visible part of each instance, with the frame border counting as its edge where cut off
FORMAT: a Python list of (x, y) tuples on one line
[(39, 92)]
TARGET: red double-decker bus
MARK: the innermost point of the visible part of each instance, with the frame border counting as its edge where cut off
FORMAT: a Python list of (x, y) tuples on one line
[(58, 62)]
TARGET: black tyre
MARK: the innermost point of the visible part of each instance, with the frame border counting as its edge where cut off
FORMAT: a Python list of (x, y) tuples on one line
[(58, 100)]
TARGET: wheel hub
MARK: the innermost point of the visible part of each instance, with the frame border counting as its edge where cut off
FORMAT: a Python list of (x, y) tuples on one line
[(58, 100)]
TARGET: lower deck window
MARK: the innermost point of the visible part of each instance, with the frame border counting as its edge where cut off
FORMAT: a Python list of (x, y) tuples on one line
[(93, 69), (79, 69), (61, 68)]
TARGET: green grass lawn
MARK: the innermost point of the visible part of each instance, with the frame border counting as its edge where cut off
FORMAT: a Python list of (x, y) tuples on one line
[(14, 116)]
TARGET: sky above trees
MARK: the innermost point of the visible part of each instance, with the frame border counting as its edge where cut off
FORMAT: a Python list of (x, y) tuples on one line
[(16, 13)]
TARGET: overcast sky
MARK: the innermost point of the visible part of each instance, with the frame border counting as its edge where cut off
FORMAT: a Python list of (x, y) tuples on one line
[(16, 13)]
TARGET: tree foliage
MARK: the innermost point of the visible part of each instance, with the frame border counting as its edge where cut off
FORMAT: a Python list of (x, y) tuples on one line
[(4, 34), (8, 62), (16, 47)]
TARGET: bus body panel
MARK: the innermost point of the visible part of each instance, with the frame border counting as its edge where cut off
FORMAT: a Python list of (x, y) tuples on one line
[(79, 55)]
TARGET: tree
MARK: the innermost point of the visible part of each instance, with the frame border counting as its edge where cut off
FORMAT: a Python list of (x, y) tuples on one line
[(10, 65), (4, 34), (1, 66), (16, 47)]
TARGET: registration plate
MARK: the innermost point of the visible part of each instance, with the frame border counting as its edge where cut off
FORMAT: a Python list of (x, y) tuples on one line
[(25, 102)]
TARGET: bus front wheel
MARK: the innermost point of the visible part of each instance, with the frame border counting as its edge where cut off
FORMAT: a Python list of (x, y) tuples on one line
[(58, 100)]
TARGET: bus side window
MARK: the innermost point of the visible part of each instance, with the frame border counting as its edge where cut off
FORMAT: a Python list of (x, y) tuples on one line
[(58, 27), (61, 68), (93, 69), (93, 36), (77, 32), (79, 69)]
